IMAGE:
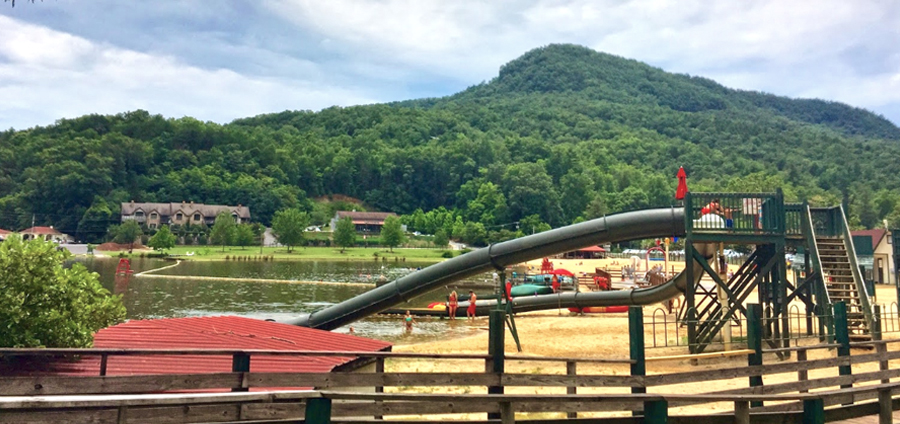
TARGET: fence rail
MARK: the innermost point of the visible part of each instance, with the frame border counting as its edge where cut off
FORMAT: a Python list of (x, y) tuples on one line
[(834, 378)]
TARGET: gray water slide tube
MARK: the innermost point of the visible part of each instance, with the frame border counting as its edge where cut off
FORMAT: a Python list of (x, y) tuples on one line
[(635, 225)]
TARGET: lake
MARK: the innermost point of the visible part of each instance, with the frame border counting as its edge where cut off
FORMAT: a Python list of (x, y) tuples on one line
[(161, 297)]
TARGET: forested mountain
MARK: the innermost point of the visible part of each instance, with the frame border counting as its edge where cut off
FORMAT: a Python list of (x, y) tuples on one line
[(562, 133)]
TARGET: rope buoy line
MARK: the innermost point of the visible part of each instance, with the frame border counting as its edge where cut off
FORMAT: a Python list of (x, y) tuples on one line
[(150, 274)]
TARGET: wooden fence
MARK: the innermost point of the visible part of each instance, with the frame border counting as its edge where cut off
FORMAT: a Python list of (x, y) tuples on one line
[(136, 399)]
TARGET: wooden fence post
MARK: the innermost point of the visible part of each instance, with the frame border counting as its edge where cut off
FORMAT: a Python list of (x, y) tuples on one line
[(379, 369), (104, 360), (496, 348), (318, 411), (240, 362), (754, 343), (802, 374), (741, 412), (885, 406), (813, 411), (636, 344), (842, 336), (571, 369), (656, 412)]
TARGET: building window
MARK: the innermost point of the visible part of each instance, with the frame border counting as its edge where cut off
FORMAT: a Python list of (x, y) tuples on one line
[(139, 214), (178, 216), (152, 226), (235, 217), (196, 217), (153, 216)]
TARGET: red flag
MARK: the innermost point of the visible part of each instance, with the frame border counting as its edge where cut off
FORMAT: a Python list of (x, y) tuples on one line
[(682, 184)]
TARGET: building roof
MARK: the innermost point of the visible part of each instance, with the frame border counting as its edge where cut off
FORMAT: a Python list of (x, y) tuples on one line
[(41, 230), (187, 208), (592, 249), (222, 332), (365, 217), (4, 232), (877, 235)]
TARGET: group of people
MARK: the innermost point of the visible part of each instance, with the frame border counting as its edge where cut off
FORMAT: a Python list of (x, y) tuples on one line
[(453, 304), (715, 207)]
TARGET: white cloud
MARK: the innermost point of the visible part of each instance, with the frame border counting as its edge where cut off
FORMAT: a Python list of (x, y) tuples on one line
[(793, 48), (46, 75), (202, 60)]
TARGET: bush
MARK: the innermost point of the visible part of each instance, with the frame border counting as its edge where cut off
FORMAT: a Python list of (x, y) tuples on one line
[(43, 304), (447, 254)]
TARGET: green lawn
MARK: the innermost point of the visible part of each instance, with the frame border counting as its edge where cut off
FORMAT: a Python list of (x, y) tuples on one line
[(301, 253)]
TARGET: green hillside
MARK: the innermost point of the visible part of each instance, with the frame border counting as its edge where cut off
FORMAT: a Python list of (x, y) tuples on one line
[(563, 133)]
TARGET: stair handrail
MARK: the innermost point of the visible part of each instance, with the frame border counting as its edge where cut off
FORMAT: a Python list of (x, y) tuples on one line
[(857, 276), (821, 293)]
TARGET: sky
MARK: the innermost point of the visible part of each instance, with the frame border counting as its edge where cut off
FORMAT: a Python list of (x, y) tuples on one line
[(223, 60)]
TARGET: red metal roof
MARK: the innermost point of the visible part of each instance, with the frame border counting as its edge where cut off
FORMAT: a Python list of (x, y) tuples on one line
[(2, 231), (877, 235), (592, 249), (41, 230), (224, 332)]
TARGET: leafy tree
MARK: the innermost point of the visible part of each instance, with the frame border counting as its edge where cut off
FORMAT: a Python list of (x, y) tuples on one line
[(532, 224), (44, 304), (392, 232), (440, 239), (163, 239), (95, 222), (344, 233), (222, 231), (243, 235), (288, 227), (127, 233)]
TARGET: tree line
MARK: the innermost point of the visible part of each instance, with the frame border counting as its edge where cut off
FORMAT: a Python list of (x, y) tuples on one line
[(563, 134)]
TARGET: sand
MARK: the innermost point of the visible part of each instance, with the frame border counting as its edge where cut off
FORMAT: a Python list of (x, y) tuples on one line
[(560, 334)]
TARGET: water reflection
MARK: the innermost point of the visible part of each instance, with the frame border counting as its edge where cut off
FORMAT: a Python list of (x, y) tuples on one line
[(163, 297)]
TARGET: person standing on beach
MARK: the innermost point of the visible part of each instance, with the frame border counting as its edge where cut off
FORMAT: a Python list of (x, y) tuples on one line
[(452, 304), (554, 283), (470, 311)]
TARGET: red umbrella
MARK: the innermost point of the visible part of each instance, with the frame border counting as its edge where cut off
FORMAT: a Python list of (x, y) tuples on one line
[(560, 271), (682, 184)]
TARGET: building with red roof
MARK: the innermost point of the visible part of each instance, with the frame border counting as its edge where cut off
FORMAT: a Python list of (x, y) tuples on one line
[(881, 251), (590, 252), (222, 332), (4, 233), (45, 233)]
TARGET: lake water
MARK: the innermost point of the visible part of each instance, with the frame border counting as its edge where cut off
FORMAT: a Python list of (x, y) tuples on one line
[(161, 297)]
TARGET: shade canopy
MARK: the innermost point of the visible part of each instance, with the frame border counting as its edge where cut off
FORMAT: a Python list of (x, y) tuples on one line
[(561, 271)]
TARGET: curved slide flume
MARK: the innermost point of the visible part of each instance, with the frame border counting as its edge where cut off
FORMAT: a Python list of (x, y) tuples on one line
[(646, 296), (635, 225)]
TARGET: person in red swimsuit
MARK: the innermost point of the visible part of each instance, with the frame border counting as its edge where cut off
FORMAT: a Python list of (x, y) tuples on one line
[(470, 311), (713, 207), (452, 304)]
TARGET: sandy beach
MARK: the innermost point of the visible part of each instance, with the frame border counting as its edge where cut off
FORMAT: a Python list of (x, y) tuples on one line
[(561, 334)]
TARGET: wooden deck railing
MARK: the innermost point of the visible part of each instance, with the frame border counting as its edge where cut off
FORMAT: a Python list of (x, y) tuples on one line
[(121, 399)]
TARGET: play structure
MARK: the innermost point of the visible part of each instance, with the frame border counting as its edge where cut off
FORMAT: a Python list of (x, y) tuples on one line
[(762, 220)]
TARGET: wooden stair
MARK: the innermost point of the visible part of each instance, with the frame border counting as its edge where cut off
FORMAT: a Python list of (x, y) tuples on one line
[(842, 286)]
